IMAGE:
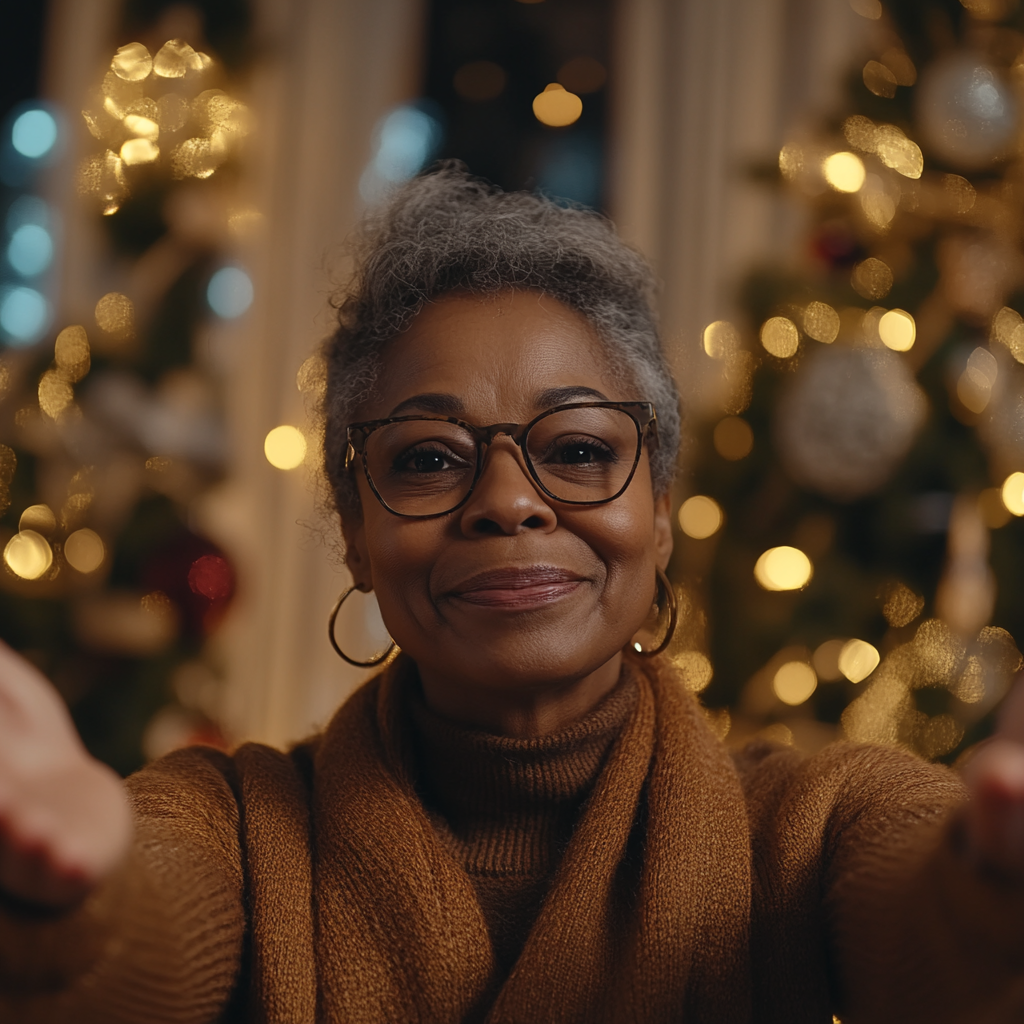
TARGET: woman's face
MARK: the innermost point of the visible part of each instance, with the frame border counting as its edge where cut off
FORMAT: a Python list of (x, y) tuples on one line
[(512, 591)]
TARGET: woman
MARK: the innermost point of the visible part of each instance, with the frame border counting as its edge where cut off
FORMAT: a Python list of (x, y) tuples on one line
[(524, 818)]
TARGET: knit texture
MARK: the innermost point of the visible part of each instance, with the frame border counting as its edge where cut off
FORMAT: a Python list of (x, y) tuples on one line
[(318, 886), (506, 808)]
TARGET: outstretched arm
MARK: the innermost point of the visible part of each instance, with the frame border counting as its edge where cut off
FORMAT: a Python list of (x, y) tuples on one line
[(115, 905), (927, 908)]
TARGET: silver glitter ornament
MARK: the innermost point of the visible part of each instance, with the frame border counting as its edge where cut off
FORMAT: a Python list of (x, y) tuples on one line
[(847, 419), (967, 113)]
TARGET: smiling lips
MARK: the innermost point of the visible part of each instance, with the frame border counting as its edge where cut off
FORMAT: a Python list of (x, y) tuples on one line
[(518, 588)]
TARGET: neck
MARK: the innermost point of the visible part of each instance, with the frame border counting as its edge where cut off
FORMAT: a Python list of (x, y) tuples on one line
[(521, 711)]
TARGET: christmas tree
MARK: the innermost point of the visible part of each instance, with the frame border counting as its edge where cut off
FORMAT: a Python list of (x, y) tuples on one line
[(853, 549), (110, 417)]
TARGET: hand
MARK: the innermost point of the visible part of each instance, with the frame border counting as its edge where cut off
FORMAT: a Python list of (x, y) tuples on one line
[(995, 775), (65, 823)]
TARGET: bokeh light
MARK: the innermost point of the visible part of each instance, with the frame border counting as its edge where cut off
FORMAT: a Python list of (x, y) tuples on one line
[(139, 151), (230, 292), (28, 555), (285, 447), (897, 330), (821, 322), (39, 518), (71, 353), (721, 339), (210, 576), (115, 315), (30, 250), (844, 171), (857, 660), (794, 682), (783, 568), (24, 315), (733, 438), (556, 106), (1013, 493), (700, 517), (780, 337), (872, 278), (34, 133), (84, 551), (132, 62)]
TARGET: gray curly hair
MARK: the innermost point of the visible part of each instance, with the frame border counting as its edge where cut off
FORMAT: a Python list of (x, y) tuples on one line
[(447, 231)]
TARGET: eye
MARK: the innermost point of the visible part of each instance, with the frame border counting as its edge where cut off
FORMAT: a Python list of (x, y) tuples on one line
[(428, 460), (580, 451)]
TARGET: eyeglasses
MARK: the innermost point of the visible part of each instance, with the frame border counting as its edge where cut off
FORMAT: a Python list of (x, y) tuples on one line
[(580, 454)]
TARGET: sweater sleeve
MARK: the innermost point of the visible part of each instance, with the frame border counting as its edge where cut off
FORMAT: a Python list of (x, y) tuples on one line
[(917, 933), (161, 940)]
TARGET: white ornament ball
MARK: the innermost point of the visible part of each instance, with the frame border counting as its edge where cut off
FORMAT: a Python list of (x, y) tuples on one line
[(847, 420), (967, 113)]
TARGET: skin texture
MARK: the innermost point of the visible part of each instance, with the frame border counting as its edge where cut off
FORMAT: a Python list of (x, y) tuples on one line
[(508, 665), (487, 659)]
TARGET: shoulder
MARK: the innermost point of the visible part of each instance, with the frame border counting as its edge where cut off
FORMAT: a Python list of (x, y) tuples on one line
[(842, 785)]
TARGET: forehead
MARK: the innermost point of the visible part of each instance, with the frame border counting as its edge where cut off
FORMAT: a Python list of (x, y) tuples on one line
[(497, 355)]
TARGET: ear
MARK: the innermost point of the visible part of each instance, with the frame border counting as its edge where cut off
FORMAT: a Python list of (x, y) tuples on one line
[(663, 542), (357, 556)]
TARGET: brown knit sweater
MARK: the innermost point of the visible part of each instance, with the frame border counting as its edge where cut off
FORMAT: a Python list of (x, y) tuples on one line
[(357, 880)]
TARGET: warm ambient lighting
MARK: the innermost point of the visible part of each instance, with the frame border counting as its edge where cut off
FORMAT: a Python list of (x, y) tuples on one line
[(84, 551), (1013, 493), (733, 438), (844, 171), (857, 660), (556, 106), (285, 447), (783, 568), (897, 330), (780, 337), (28, 555), (700, 517), (794, 682)]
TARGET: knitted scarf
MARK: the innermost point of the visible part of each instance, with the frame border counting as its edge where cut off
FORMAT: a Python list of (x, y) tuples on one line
[(647, 918)]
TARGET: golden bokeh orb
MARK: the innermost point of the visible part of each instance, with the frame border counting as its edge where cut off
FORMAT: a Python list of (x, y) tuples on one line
[(285, 447), (857, 660), (780, 337), (556, 106), (84, 551), (794, 682), (783, 568), (28, 555), (1013, 493), (897, 330), (844, 171), (700, 517)]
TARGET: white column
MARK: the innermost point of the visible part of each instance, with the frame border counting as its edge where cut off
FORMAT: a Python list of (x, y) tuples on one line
[(700, 91), (331, 69)]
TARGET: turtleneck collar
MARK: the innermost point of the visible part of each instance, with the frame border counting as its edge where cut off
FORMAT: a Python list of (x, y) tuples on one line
[(509, 805)]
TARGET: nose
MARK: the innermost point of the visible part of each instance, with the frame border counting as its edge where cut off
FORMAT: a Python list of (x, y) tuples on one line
[(505, 499)]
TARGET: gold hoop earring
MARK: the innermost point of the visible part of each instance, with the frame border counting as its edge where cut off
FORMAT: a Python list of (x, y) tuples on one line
[(333, 618), (664, 585)]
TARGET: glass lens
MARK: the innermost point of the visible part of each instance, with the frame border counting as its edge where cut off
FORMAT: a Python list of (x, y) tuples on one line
[(421, 467), (585, 453)]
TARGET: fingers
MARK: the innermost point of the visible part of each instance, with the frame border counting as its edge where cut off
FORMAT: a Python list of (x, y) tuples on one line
[(1011, 716), (995, 820)]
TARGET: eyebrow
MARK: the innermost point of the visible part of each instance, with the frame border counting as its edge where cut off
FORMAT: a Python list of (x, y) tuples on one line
[(442, 404), (433, 401)]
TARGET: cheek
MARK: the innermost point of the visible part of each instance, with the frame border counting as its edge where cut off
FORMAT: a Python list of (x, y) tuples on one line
[(402, 555)]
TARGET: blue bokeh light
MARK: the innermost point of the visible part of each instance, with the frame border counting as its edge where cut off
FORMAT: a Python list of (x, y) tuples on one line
[(405, 141), (28, 210), (34, 133), (30, 251), (230, 292), (24, 315)]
